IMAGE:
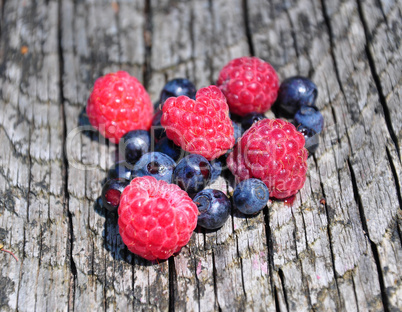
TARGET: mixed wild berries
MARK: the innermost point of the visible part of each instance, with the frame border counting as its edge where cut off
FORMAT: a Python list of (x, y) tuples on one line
[(160, 187)]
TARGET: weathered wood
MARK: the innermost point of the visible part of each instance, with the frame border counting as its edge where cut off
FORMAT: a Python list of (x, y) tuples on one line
[(343, 253)]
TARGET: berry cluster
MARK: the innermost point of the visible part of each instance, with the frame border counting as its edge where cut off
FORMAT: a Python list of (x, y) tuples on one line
[(168, 158)]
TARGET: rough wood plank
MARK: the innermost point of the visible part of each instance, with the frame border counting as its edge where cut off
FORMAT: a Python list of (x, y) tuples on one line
[(108, 276), (33, 219), (344, 254)]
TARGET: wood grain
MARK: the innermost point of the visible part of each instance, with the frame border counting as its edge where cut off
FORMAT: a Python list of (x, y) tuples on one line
[(341, 254)]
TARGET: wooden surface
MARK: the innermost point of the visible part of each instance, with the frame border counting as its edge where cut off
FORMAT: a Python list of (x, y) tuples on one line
[(341, 255)]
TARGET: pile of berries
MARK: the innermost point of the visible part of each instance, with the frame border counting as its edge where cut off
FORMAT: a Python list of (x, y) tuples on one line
[(168, 157)]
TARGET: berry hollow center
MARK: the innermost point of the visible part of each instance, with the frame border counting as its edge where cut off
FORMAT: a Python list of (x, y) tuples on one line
[(203, 203), (153, 167), (204, 169), (113, 197)]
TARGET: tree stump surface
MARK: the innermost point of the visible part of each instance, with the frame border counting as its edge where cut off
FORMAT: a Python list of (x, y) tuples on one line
[(338, 247)]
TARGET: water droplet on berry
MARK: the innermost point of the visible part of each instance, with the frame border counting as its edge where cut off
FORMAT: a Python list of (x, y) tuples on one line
[(290, 200)]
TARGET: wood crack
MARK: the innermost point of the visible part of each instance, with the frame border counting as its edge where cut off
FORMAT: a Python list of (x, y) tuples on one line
[(285, 296), (331, 248), (294, 37), (3, 4), (192, 44), (247, 28), (172, 284), (270, 249), (70, 241), (241, 268), (354, 293), (334, 61), (377, 80), (147, 69), (197, 280), (304, 280), (214, 274), (396, 179), (374, 249)]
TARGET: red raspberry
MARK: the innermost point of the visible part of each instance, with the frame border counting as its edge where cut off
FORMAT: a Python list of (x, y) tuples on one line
[(249, 84), (202, 126), (272, 151), (118, 104), (156, 218)]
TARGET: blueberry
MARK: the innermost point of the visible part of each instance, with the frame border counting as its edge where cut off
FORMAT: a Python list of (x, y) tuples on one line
[(111, 192), (295, 92), (134, 144), (167, 147), (217, 167), (121, 169), (155, 164), (177, 87), (250, 196), (310, 117), (238, 130), (214, 208), (192, 173), (312, 139), (157, 131), (250, 119)]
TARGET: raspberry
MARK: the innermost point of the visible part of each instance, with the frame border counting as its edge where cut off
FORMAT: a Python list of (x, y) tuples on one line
[(201, 126), (118, 104), (249, 84), (156, 218), (272, 151)]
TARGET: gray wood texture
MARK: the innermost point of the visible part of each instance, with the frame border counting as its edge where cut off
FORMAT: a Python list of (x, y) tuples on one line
[(338, 247)]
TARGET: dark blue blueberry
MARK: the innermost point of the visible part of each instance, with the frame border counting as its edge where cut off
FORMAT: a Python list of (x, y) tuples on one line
[(167, 147), (121, 169), (250, 196), (155, 164), (312, 139), (250, 119), (157, 131), (111, 192), (217, 166), (134, 144), (295, 92), (177, 87), (238, 130), (214, 208), (192, 173), (310, 117)]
